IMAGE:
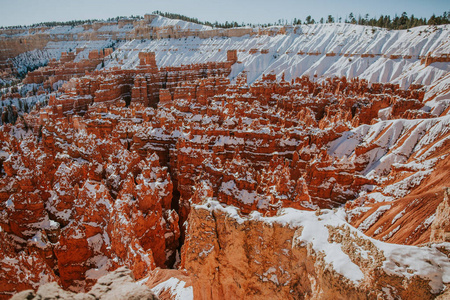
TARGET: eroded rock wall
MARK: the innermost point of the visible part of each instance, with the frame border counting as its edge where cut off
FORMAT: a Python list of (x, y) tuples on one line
[(106, 175), (231, 256)]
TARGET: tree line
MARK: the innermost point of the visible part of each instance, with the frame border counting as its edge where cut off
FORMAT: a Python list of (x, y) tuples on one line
[(197, 21), (71, 23), (384, 21), (396, 22)]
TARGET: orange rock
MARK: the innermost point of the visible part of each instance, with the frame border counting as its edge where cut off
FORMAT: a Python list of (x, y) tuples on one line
[(120, 156)]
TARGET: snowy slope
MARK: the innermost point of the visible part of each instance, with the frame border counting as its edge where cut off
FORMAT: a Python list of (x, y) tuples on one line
[(158, 21), (37, 57), (176, 288), (397, 141), (179, 24), (348, 46), (283, 49)]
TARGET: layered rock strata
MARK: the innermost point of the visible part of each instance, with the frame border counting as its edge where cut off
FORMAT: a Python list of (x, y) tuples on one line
[(126, 167), (303, 255)]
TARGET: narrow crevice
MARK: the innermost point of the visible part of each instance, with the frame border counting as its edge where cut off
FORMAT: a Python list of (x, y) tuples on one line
[(216, 230)]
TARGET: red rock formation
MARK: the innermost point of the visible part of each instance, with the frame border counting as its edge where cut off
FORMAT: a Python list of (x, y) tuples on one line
[(22, 270), (232, 56), (412, 217), (116, 160), (429, 59), (440, 228), (72, 209), (66, 68), (132, 86), (282, 257)]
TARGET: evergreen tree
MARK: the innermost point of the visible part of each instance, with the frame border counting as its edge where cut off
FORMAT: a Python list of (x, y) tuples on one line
[(385, 21), (309, 20), (351, 18)]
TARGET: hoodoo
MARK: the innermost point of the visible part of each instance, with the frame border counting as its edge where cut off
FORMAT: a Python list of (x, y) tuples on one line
[(172, 159)]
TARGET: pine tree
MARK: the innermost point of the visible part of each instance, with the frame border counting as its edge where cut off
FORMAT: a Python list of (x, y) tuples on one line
[(351, 18)]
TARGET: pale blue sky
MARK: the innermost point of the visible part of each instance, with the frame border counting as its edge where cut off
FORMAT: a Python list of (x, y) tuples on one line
[(25, 12)]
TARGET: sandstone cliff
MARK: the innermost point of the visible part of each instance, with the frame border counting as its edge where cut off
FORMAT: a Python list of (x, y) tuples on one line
[(303, 255)]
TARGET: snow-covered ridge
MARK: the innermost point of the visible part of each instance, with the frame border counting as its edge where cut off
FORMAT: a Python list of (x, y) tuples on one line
[(327, 233), (153, 22), (123, 26), (159, 21), (53, 50), (321, 50)]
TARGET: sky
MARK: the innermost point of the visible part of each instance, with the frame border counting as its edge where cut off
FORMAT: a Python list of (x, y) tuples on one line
[(26, 12)]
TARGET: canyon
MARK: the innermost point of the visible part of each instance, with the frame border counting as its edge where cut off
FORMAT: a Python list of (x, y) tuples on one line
[(291, 162)]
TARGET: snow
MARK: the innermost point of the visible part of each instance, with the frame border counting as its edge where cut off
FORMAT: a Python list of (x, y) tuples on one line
[(373, 218), (429, 220), (206, 252), (93, 191), (177, 289), (379, 197), (95, 242), (9, 203), (391, 233), (399, 260), (36, 240), (269, 275), (285, 50), (315, 232), (408, 261), (53, 49), (102, 264), (23, 104), (160, 21), (77, 233), (283, 57), (64, 29), (398, 216), (384, 114), (415, 135), (243, 195), (106, 238), (402, 187)]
